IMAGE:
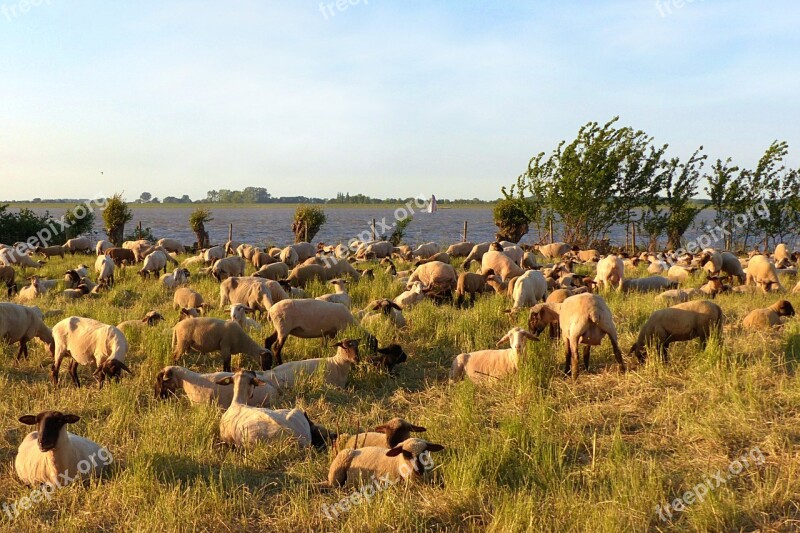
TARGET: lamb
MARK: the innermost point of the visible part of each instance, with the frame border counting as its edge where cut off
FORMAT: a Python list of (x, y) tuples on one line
[(275, 271), (239, 315), (88, 341), (435, 275), (680, 322), (407, 461), (529, 288), (203, 388), (340, 296), (155, 262), (207, 335), (336, 369), (472, 284), (387, 435), (555, 250), (149, 320), (461, 249), (171, 245), (229, 267), (78, 292), (386, 308), (479, 365), (9, 278), (19, 323), (306, 319), (102, 246), (501, 264), (52, 455), (51, 251), (186, 297), (610, 272), (80, 244), (761, 272), (32, 291), (411, 297), (769, 317), (650, 284), (582, 319), (104, 266), (179, 276), (388, 357), (245, 426), (121, 256)]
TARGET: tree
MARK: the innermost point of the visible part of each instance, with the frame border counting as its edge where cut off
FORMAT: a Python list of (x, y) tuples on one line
[(115, 216), (307, 222), (776, 189), (511, 220), (399, 230), (681, 183), (80, 219), (197, 221), (21, 226), (145, 197), (727, 195)]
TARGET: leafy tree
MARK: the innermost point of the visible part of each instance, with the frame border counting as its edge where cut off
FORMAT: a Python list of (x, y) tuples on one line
[(145, 197), (21, 226), (400, 230), (680, 185), (197, 221), (775, 187), (80, 219), (727, 194), (115, 216), (511, 219), (307, 222)]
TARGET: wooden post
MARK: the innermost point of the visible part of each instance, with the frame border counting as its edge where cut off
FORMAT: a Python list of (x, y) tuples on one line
[(373, 229), (633, 241), (230, 232), (465, 232), (552, 238), (139, 233)]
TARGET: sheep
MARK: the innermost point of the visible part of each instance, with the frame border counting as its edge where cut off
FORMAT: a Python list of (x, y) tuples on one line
[(678, 323), (261, 259), (10, 256), (587, 256), (781, 253), (554, 250), (203, 388), (386, 308), (189, 312), (529, 288), (435, 275), (732, 267), (245, 426), (289, 256), (306, 319), (302, 275), (340, 269), (388, 357), (501, 264), (583, 319), (649, 284), (88, 341), (155, 262), (482, 364), (461, 249), (229, 267), (189, 298), (412, 296), (762, 273), (51, 251), (121, 256), (275, 271), (149, 320), (304, 250), (52, 455), (423, 251), (129, 245), (244, 250), (249, 291), (9, 278), (212, 254), (709, 290), (292, 292), (769, 317), (19, 323), (679, 273), (387, 435), (80, 244), (194, 260), (179, 276), (476, 254), (102, 246), (407, 461), (78, 292), (610, 272), (32, 291), (340, 296), (336, 369), (104, 266), (472, 284), (171, 245), (207, 335), (239, 315)]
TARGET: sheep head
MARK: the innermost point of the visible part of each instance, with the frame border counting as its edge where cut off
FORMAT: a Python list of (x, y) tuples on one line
[(783, 308), (152, 318), (320, 436), (388, 357), (111, 368), (516, 337), (398, 430), (48, 425), (166, 384), (348, 348), (416, 450)]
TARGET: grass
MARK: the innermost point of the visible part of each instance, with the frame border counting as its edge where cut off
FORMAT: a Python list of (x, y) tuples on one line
[(532, 452)]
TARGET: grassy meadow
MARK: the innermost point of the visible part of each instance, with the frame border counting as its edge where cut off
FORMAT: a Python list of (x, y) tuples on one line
[(532, 452)]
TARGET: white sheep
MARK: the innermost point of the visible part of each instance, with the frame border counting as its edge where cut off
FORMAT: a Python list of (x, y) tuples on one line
[(384, 308), (32, 291), (610, 272), (88, 341), (239, 315), (407, 299), (407, 461), (179, 276), (203, 388), (104, 266), (482, 364), (19, 323), (529, 289), (206, 335), (340, 296), (387, 435), (229, 267), (154, 262), (336, 369)]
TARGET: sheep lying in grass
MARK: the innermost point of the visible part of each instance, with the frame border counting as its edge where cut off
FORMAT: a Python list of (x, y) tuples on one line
[(768, 317), (32, 291), (336, 368), (8, 277), (19, 323), (340, 296), (206, 335), (388, 357), (53, 455), (149, 320), (472, 284), (482, 364), (649, 284), (387, 435), (682, 322), (713, 287), (385, 308), (407, 461), (88, 341), (680, 273), (415, 294), (582, 319), (78, 292), (245, 426), (203, 388), (179, 276), (305, 319), (185, 297)]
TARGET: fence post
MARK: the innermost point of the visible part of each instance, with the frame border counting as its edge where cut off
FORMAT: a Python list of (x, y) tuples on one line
[(465, 232), (633, 232), (373, 229), (230, 232), (552, 239)]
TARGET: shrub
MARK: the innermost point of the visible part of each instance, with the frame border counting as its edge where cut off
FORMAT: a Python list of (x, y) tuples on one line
[(307, 222), (511, 220), (115, 216), (197, 221), (21, 226), (400, 231)]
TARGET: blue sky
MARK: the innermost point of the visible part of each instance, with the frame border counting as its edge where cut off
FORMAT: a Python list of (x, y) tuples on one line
[(387, 98)]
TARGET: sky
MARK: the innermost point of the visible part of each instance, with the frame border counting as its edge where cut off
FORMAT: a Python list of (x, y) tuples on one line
[(387, 98)]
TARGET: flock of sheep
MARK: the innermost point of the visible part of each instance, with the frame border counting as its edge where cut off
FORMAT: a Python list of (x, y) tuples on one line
[(539, 279)]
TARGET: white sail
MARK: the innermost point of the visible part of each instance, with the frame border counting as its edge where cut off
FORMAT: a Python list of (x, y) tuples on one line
[(432, 204)]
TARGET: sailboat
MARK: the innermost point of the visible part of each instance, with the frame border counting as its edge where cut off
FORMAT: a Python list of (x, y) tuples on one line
[(432, 204)]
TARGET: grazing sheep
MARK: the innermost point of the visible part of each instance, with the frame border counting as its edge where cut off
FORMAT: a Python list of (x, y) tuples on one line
[(88, 341), (555, 250), (179, 276), (769, 317), (340, 296), (679, 273), (289, 256), (9, 278), (104, 266), (213, 254), (203, 388), (610, 272), (388, 357), (710, 260), (733, 267), (435, 276), (476, 254), (559, 295), (244, 250), (19, 323), (407, 461), (53, 455), (782, 253), (262, 259), (230, 267), (472, 284), (482, 364), (385, 308), (302, 275), (461, 249), (186, 297), (149, 320), (304, 250), (682, 322), (411, 297), (583, 319), (155, 262), (529, 288), (341, 269), (249, 291), (10, 256), (306, 319), (275, 271), (121, 256), (51, 251), (245, 426), (387, 435), (102, 246), (206, 335), (650, 284), (239, 315), (336, 369), (762, 273), (80, 244), (501, 265), (171, 245)]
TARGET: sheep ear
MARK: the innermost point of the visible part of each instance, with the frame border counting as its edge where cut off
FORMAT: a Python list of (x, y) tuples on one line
[(504, 339), (381, 429), (258, 382), (418, 429), (28, 420), (71, 419), (431, 447), (394, 452), (225, 381)]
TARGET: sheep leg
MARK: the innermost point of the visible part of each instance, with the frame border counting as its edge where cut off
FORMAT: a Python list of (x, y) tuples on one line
[(226, 361), (617, 352), (586, 350), (277, 347), (567, 358), (662, 350), (73, 372), (54, 370), (574, 360), (23, 349)]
